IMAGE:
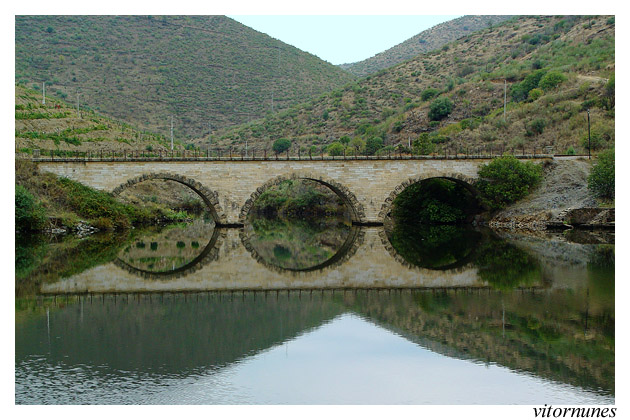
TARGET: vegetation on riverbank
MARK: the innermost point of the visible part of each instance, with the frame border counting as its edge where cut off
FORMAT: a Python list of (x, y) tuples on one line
[(45, 201), (298, 197)]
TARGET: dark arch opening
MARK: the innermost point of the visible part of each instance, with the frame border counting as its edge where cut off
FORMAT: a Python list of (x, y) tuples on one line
[(429, 224)]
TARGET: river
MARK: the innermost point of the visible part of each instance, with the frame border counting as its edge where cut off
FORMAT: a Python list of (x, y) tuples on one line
[(315, 311)]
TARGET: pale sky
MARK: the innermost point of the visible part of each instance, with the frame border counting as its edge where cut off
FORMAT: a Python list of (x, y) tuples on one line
[(342, 39)]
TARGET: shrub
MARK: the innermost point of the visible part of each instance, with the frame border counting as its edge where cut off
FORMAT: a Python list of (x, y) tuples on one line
[(423, 145), (534, 94), (551, 80), (372, 145), (601, 180), (536, 127), (506, 180), (281, 145), (520, 91), (440, 108), (429, 94), (335, 149), (29, 215)]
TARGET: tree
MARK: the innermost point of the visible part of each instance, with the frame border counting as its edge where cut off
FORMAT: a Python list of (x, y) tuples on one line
[(335, 149), (440, 108), (281, 145), (372, 145), (29, 215), (601, 180), (423, 145), (506, 180), (608, 101)]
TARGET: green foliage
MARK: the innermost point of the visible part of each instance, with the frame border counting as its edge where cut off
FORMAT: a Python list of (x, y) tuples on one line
[(536, 127), (534, 94), (520, 91), (335, 149), (602, 137), (423, 145), (506, 180), (551, 80), (29, 215), (357, 146), (608, 100), (440, 108), (344, 140), (372, 145), (429, 93), (281, 145), (601, 180), (505, 266)]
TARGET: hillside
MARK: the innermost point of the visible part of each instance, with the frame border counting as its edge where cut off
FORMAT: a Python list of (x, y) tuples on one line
[(554, 68), (424, 42), (208, 72), (56, 125)]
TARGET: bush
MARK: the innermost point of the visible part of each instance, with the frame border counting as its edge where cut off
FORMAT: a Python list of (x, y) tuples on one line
[(372, 145), (520, 91), (29, 215), (551, 80), (536, 127), (429, 94), (423, 145), (335, 149), (601, 180), (440, 108), (534, 94), (281, 145), (506, 180)]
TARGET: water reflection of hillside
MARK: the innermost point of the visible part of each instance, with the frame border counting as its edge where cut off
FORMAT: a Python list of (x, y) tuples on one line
[(561, 335)]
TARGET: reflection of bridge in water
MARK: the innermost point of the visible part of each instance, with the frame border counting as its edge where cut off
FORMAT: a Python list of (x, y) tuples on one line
[(227, 264)]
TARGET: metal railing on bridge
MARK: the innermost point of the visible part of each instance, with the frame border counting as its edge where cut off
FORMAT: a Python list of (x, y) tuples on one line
[(104, 155)]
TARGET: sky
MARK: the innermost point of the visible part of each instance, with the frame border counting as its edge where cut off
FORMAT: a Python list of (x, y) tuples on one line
[(342, 39)]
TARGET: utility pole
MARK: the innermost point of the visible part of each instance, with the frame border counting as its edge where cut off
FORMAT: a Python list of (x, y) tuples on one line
[(44, 93), (272, 101), (246, 148), (171, 132), (78, 109), (588, 115), (504, 97)]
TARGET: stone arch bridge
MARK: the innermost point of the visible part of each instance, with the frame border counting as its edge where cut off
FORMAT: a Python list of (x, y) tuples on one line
[(230, 186)]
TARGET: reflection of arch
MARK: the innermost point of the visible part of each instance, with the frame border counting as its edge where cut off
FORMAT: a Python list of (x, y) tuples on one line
[(355, 208), (345, 252), (208, 254), (465, 181), (457, 266), (210, 198)]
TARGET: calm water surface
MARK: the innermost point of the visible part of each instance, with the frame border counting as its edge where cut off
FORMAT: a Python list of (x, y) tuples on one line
[(315, 312)]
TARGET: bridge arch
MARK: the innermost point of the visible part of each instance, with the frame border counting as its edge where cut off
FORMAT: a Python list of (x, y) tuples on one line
[(355, 208), (209, 197), (465, 181)]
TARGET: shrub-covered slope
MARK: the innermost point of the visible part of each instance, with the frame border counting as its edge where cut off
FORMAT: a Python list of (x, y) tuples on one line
[(206, 71), (424, 42), (551, 69)]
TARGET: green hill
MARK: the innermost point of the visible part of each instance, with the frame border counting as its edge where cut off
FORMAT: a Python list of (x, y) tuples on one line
[(208, 72), (554, 69), (60, 127), (424, 42)]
